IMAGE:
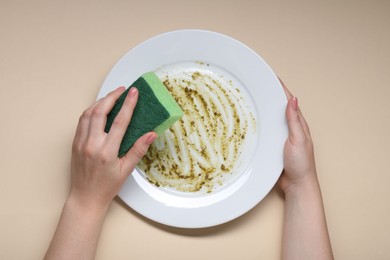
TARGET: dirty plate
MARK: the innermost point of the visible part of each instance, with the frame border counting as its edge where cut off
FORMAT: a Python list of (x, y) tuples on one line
[(262, 160)]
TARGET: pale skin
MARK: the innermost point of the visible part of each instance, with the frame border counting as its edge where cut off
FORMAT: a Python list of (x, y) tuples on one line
[(97, 174), (305, 233)]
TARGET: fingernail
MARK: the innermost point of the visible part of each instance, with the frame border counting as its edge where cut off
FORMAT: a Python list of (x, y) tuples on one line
[(295, 103), (133, 91), (151, 138)]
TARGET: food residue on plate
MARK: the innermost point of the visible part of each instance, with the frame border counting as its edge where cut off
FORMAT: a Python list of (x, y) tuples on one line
[(200, 151)]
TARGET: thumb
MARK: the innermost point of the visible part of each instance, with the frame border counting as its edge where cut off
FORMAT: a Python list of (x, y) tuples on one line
[(295, 130), (135, 154)]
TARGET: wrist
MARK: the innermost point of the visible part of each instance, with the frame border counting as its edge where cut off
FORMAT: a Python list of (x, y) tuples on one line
[(306, 187), (76, 203)]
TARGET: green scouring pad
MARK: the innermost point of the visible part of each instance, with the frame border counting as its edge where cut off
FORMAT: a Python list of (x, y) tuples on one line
[(156, 110)]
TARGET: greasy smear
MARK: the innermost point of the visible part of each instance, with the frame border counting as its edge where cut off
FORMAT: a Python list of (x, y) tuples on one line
[(200, 150)]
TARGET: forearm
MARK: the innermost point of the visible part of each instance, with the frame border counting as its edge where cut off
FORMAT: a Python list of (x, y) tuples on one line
[(305, 230), (77, 233)]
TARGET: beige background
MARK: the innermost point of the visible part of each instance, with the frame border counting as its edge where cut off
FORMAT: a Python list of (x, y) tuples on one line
[(334, 55)]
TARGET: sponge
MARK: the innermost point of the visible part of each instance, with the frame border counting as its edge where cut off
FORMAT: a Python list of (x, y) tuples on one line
[(156, 110)]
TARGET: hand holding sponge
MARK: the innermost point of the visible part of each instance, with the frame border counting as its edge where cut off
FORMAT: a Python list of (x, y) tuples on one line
[(156, 110)]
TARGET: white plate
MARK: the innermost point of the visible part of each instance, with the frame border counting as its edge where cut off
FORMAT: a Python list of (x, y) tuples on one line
[(267, 101)]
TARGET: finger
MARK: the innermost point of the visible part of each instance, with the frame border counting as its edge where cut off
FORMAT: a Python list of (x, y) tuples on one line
[(97, 102), (83, 126), (122, 119), (82, 129), (301, 117), (286, 91), (304, 124), (295, 129), (135, 154), (100, 111)]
